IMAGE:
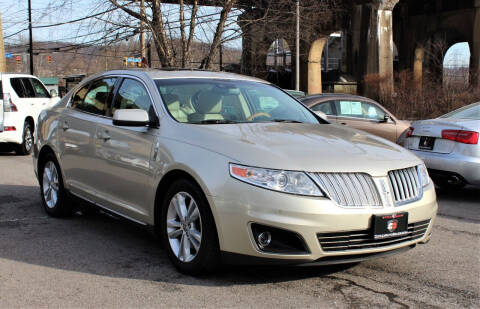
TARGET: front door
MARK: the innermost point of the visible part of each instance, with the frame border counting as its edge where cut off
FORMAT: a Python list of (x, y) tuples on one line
[(124, 175), (367, 117)]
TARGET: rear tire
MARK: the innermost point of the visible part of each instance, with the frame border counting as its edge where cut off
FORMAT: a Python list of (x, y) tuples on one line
[(26, 147), (54, 196), (188, 229)]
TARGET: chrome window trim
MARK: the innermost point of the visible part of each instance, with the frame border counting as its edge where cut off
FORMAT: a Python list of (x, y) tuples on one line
[(78, 87)]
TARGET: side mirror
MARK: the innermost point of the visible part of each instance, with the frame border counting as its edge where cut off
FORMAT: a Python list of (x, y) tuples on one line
[(53, 93), (386, 118), (321, 114), (131, 118)]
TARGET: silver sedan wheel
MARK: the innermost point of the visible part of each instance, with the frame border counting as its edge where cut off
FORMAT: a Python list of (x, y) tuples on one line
[(184, 227), (50, 185)]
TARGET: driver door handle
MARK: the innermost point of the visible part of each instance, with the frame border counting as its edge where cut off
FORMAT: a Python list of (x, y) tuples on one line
[(65, 126)]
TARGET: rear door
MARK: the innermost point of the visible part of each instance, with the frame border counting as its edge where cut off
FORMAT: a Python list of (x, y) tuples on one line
[(77, 137)]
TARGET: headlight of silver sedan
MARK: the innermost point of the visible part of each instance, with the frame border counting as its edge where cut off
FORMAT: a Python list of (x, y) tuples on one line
[(277, 180), (424, 177)]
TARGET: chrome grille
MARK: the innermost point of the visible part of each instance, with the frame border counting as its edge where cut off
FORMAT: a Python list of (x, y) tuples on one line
[(405, 185), (355, 240), (349, 189)]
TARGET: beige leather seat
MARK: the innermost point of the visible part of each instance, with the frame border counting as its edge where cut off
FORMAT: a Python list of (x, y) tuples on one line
[(173, 105), (208, 106)]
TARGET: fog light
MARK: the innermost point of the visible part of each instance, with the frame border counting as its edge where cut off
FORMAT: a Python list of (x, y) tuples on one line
[(264, 239)]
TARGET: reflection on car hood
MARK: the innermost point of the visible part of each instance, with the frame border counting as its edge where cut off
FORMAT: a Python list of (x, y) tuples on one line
[(294, 146)]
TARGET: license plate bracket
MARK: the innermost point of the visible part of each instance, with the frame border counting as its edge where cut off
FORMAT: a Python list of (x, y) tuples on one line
[(391, 225), (426, 143)]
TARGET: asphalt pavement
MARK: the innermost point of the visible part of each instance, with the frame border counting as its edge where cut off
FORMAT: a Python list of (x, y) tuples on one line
[(102, 261)]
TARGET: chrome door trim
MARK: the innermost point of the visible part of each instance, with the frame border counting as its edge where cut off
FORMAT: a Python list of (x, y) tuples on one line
[(108, 209)]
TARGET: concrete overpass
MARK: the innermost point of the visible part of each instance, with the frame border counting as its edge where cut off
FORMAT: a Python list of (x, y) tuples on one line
[(373, 30)]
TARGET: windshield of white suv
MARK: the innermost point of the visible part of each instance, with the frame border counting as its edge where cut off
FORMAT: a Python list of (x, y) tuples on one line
[(467, 112), (207, 101)]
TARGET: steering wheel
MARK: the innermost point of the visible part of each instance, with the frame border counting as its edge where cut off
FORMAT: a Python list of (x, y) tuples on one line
[(258, 115)]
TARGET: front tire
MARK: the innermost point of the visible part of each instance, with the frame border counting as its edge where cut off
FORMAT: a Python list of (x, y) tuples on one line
[(188, 229), (26, 147), (54, 195)]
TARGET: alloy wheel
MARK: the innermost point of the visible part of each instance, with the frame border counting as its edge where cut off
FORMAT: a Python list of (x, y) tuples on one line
[(28, 138), (50, 184), (184, 226)]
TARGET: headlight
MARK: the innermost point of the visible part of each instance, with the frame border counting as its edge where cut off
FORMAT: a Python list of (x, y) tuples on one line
[(424, 177), (278, 180)]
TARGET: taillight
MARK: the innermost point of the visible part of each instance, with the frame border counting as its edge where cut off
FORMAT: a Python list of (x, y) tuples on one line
[(9, 129), (410, 132), (461, 136), (8, 105)]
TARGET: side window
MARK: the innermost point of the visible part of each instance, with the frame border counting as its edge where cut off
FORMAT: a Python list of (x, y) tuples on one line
[(40, 91), (17, 85), (325, 107), (95, 100), (132, 95), (29, 91), (79, 96), (349, 109), (371, 111)]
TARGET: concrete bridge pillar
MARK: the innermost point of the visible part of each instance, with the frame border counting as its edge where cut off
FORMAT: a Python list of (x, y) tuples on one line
[(380, 47), (475, 48), (418, 67), (315, 66)]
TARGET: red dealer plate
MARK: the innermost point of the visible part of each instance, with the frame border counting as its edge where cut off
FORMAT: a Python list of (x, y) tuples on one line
[(391, 225)]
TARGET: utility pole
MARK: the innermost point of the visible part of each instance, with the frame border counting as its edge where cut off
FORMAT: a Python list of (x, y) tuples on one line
[(142, 30), (3, 62), (221, 56), (297, 43), (30, 39)]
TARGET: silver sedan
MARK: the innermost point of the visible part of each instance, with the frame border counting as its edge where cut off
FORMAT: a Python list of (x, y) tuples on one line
[(449, 146)]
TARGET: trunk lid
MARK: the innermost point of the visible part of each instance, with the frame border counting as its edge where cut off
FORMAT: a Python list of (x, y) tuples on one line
[(433, 128)]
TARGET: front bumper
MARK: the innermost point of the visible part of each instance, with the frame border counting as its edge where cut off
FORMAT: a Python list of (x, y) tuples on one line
[(306, 216), (466, 166)]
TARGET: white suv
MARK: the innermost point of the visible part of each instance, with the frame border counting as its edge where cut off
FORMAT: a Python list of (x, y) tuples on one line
[(23, 98)]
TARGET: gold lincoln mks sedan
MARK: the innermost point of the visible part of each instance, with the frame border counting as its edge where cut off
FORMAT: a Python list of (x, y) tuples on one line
[(229, 168)]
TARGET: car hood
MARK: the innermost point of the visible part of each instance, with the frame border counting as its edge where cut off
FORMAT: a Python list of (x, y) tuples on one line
[(299, 146)]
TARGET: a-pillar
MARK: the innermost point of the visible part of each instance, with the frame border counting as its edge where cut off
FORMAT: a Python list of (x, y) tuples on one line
[(380, 47), (475, 49), (315, 66)]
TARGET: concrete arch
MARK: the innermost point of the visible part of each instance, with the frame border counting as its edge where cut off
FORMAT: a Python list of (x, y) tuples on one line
[(456, 65), (315, 66)]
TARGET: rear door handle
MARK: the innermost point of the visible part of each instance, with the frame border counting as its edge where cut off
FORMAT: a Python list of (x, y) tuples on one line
[(343, 123)]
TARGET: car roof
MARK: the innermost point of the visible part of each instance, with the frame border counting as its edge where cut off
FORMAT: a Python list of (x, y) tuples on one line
[(325, 96), (13, 74), (182, 73)]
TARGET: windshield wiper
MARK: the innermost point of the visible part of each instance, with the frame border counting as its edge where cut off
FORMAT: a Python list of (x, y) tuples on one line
[(215, 121), (286, 120)]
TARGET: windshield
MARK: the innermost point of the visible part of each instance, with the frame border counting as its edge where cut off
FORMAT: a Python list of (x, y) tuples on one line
[(468, 112), (207, 101)]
